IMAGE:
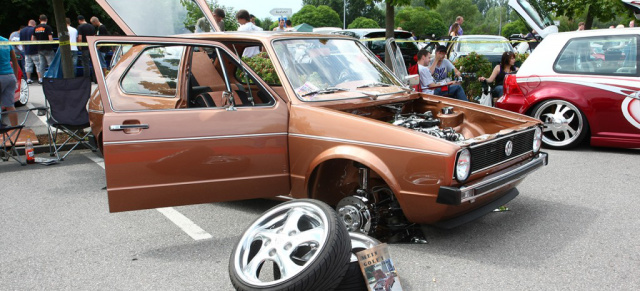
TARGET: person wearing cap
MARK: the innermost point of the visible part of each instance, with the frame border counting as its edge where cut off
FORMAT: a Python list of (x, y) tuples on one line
[(85, 29), (440, 68)]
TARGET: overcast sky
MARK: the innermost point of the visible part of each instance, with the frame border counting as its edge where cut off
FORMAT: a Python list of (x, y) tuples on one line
[(261, 8)]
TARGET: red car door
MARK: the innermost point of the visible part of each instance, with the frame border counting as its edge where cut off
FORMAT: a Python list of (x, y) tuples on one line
[(160, 152)]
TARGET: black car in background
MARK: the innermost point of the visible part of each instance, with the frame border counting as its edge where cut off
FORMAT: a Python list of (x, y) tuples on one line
[(403, 39)]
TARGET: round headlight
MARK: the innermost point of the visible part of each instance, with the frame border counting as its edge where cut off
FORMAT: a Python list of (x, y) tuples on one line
[(537, 139), (463, 165)]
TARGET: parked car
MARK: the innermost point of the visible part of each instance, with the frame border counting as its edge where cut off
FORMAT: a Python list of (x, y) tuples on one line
[(405, 42), (581, 84), (185, 119), (490, 46)]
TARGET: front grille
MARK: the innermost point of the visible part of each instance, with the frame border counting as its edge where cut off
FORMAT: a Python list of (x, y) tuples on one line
[(493, 152)]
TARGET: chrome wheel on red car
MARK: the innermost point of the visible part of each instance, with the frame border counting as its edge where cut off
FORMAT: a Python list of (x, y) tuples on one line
[(564, 125), (24, 93)]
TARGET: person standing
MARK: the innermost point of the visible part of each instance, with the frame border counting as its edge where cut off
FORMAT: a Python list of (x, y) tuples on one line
[(428, 84), (18, 49), (102, 51), (632, 23), (44, 32), (31, 58), (459, 21), (218, 16), (8, 80), (85, 29), (73, 37), (281, 25), (244, 19), (580, 26)]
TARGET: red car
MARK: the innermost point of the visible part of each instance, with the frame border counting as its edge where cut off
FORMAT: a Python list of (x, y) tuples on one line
[(576, 94)]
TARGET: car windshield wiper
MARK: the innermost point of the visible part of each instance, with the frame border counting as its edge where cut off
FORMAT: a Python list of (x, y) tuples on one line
[(328, 90), (375, 84)]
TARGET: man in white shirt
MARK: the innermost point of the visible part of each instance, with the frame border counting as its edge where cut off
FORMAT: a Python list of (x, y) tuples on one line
[(429, 86), (244, 19), (73, 36)]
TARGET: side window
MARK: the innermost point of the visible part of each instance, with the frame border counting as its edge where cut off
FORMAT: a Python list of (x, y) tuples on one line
[(155, 72), (215, 78), (603, 55)]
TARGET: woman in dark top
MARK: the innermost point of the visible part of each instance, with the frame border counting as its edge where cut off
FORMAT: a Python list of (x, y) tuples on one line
[(506, 66)]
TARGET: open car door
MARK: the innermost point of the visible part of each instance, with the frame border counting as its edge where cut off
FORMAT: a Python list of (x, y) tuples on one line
[(533, 14), (399, 67), (160, 17), (177, 131)]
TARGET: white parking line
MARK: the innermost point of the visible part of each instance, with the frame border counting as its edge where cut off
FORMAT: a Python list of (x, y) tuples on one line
[(184, 223)]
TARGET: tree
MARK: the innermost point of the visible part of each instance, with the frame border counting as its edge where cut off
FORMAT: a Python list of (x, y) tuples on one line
[(320, 16), (421, 21), (389, 18), (450, 9), (514, 27), (266, 23), (604, 10), (355, 8), (363, 22)]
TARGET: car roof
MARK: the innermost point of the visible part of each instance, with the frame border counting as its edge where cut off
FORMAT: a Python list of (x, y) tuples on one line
[(481, 36), (261, 35), (361, 32), (598, 32)]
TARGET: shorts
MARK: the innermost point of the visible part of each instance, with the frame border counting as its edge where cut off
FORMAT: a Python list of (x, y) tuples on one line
[(8, 85), (31, 61)]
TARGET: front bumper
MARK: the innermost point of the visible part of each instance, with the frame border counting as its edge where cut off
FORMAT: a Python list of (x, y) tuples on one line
[(472, 191)]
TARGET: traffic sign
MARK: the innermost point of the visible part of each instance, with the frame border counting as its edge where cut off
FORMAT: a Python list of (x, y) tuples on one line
[(281, 11)]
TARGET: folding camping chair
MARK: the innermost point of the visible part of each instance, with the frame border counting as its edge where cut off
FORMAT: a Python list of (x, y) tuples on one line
[(10, 134), (67, 101)]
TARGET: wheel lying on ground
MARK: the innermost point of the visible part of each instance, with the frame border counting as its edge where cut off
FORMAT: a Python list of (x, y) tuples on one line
[(302, 241), (353, 279), (564, 124), (24, 94)]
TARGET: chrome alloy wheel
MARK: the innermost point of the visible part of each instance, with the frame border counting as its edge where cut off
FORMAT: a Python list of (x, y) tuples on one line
[(289, 236), (24, 93), (563, 123)]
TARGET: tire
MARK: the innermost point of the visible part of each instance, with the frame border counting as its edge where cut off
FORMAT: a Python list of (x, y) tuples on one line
[(565, 126), (303, 240), (353, 279), (24, 94)]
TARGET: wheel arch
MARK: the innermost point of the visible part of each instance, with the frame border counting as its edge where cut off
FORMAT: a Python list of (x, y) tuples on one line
[(350, 154), (572, 97)]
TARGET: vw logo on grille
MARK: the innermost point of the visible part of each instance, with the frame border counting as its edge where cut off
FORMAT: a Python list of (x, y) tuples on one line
[(508, 148)]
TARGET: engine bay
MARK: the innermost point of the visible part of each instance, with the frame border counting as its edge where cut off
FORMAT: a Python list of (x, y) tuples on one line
[(426, 123)]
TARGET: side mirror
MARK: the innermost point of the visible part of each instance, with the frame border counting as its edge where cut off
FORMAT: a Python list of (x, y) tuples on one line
[(230, 101), (412, 80)]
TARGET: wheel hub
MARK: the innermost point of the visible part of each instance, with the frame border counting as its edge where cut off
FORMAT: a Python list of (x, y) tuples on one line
[(355, 214)]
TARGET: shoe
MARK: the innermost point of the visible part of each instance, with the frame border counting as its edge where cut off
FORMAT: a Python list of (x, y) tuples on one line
[(39, 81), (29, 81)]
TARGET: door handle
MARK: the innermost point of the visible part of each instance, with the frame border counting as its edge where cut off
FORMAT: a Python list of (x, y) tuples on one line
[(128, 126)]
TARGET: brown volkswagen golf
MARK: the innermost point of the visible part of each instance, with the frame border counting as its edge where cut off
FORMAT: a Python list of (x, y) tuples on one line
[(206, 117)]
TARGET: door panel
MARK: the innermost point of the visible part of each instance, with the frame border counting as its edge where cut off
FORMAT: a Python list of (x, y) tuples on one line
[(167, 157), (160, 17)]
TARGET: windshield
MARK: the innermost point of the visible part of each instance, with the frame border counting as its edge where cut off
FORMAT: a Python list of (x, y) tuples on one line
[(333, 69), (537, 14), (161, 17), (483, 45)]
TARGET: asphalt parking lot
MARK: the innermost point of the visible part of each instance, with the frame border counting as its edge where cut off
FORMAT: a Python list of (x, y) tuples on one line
[(573, 227)]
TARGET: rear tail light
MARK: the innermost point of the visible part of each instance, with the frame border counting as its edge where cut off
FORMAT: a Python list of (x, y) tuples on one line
[(511, 87)]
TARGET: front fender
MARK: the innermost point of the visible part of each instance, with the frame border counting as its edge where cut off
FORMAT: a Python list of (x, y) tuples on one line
[(355, 154)]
